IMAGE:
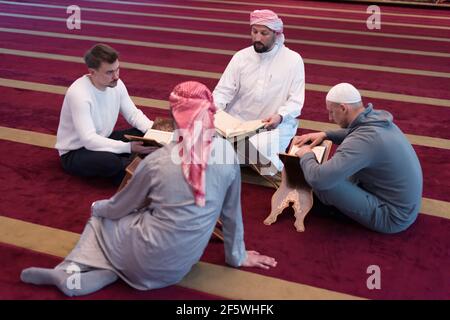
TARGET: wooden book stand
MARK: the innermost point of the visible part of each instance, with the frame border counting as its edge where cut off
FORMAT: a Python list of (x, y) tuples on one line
[(294, 189)]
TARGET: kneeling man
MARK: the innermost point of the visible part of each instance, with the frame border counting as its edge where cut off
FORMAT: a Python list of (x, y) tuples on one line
[(374, 177)]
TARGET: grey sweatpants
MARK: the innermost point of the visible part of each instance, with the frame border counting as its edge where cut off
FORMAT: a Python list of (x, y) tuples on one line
[(363, 207)]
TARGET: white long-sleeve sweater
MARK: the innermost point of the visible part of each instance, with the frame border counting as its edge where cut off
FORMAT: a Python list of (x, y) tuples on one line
[(88, 117)]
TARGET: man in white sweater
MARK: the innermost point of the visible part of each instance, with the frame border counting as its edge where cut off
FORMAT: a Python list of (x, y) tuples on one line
[(86, 142)]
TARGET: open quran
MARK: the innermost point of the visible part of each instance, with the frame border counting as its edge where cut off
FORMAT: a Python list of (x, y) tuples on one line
[(319, 151), (160, 135), (153, 138), (231, 127), (294, 172)]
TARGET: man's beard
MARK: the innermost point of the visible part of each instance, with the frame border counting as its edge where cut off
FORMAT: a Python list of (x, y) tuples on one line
[(113, 84), (260, 47)]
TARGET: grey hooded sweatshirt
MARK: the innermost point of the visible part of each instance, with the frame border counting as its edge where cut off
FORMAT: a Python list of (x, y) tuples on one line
[(374, 153)]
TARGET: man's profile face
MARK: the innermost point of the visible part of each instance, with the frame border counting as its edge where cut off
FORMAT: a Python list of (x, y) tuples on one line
[(337, 114), (263, 38), (107, 74)]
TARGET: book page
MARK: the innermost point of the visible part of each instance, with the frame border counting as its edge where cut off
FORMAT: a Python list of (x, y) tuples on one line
[(163, 137), (319, 151), (293, 150), (225, 122), (229, 126), (249, 126)]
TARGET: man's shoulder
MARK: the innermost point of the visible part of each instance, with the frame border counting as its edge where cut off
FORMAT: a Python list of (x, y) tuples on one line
[(81, 82), (120, 83), (244, 52), (362, 135), (292, 55), (79, 87)]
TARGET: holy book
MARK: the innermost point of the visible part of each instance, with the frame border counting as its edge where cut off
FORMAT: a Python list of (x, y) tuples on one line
[(231, 127), (153, 138), (294, 172), (319, 152)]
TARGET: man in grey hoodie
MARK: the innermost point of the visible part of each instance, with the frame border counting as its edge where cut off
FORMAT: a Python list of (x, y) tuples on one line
[(374, 177)]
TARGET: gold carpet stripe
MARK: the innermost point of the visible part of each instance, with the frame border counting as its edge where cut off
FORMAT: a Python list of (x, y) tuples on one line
[(390, 69), (428, 141), (311, 87), (162, 104), (36, 237), (434, 5), (191, 18), (164, 46), (429, 206), (116, 40), (205, 277), (368, 33), (216, 75), (436, 208), (413, 139), (247, 12), (369, 48), (275, 5), (240, 36), (388, 96), (45, 140), (123, 64), (236, 284), (34, 86), (28, 137)]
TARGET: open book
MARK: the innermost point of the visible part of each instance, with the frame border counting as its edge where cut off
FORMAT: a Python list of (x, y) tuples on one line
[(153, 137), (292, 168), (230, 127), (319, 152)]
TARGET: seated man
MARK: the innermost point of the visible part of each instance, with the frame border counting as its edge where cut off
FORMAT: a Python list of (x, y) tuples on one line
[(154, 230), (85, 140), (265, 81), (375, 176)]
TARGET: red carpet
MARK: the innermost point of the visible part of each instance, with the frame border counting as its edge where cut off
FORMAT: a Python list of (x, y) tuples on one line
[(13, 288), (158, 86), (334, 252)]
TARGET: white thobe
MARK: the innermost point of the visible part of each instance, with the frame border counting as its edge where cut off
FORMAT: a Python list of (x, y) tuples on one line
[(259, 85), (88, 117)]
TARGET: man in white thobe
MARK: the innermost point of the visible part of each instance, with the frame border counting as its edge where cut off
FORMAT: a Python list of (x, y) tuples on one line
[(265, 81)]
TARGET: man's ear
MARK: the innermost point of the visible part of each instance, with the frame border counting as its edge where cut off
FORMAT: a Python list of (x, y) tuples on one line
[(91, 71), (343, 107)]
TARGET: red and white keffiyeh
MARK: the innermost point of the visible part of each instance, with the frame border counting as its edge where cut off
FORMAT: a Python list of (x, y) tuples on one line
[(193, 110), (269, 19)]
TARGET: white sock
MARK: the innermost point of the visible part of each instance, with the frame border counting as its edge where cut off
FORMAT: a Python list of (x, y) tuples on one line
[(89, 282)]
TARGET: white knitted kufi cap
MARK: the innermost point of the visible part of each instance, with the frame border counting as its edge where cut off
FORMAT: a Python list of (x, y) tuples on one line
[(343, 93)]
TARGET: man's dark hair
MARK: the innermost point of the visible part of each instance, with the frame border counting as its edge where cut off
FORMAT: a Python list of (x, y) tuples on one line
[(98, 54)]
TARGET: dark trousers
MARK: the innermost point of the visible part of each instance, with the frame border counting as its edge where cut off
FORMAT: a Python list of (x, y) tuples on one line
[(87, 163)]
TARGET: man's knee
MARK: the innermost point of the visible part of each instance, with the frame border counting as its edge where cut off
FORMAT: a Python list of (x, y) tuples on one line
[(109, 165), (90, 163), (325, 196)]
